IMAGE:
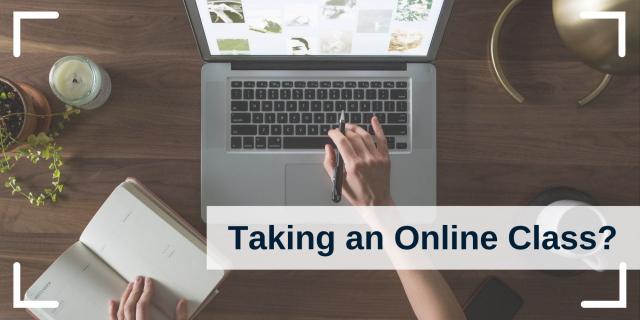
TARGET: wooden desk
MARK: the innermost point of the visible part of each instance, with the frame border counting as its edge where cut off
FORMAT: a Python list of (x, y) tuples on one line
[(491, 151)]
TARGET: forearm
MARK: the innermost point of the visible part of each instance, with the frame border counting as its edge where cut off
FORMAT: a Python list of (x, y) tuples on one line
[(430, 295)]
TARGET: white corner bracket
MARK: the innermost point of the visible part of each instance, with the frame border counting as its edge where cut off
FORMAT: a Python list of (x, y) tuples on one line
[(18, 16), (17, 301), (621, 303), (622, 24)]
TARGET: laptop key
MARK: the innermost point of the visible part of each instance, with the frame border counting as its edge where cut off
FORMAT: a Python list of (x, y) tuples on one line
[(395, 130), (307, 118), (287, 84), (282, 118), (236, 142), (341, 106), (324, 129), (274, 84), (401, 145), (309, 94), (285, 94), (389, 106), (391, 142), (278, 106), (355, 117), (301, 130), (397, 118), (371, 94), (350, 84), (364, 106), (299, 84), (236, 94), (257, 117), (303, 106), (346, 94), (318, 118), (398, 94), (292, 106), (270, 117), (247, 94), (294, 118), (267, 105), (276, 129), (376, 84), (247, 143), (401, 106), (401, 84), (244, 130), (236, 84), (262, 84), (322, 94), (249, 84), (261, 142), (273, 94), (263, 129), (377, 106), (261, 94), (312, 84), (325, 84), (239, 106), (334, 94), (240, 118), (288, 130), (363, 84), (352, 106), (383, 94), (305, 142), (327, 106), (275, 143), (331, 117), (388, 84), (358, 94), (298, 94), (312, 130), (316, 106), (337, 84), (254, 105)]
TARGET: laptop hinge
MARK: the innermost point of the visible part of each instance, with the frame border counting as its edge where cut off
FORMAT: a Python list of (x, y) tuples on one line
[(317, 65)]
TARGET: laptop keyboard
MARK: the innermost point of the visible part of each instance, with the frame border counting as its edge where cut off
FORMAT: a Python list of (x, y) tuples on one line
[(281, 115)]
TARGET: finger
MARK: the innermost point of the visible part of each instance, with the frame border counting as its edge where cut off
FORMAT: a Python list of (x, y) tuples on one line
[(142, 308), (366, 137), (113, 310), (123, 300), (381, 141), (357, 143), (132, 301), (329, 160), (343, 144), (181, 310)]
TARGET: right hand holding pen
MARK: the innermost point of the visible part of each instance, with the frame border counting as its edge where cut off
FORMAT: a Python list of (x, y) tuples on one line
[(366, 164)]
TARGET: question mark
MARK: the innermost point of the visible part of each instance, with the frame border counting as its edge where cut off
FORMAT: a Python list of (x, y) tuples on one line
[(612, 233)]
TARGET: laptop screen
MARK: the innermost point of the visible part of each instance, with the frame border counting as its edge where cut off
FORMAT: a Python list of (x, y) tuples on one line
[(319, 27)]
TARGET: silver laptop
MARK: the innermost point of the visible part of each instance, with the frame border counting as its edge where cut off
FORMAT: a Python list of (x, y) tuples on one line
[(277, 75)]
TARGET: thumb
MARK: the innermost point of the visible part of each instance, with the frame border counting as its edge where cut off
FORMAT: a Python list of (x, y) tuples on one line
[(181, 310)]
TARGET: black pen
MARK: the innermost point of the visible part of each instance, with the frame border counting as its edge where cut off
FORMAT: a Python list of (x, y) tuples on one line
[(338, 171)]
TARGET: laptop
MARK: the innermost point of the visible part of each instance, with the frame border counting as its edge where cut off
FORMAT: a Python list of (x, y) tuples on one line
[(279, 73)]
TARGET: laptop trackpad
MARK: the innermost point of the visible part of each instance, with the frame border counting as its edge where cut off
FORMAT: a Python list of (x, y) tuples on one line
[(307, 185)]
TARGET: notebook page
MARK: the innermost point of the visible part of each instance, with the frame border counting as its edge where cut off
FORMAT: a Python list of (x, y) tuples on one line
[(83, 285), (128, 235)]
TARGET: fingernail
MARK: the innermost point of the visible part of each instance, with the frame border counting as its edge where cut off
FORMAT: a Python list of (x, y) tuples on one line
[(147, 280), (139, 279)]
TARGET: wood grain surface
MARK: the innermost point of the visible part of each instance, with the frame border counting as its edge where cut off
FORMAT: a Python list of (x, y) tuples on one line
[(491, 150)]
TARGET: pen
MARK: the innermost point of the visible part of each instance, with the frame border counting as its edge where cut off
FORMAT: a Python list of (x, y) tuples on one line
[(338, 171)]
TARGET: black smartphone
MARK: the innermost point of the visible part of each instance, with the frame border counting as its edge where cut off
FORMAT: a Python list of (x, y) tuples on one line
[(493, 301)]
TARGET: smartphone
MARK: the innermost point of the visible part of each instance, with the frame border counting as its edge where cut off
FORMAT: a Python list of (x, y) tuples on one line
[(493, 301)]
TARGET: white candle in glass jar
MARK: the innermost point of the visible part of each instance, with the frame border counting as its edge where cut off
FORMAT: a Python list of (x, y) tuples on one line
[(77, 81)]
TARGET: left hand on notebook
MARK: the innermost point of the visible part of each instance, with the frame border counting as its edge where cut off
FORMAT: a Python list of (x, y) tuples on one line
[(135, 301)]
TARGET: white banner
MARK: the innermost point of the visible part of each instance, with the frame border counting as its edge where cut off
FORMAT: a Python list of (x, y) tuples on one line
[(568, 237)]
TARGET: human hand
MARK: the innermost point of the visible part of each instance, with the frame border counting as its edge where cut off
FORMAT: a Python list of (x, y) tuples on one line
[(135, 301), (367, 166)]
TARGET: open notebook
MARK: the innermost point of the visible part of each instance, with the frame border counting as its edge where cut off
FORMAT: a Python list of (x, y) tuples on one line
[(132, 234)]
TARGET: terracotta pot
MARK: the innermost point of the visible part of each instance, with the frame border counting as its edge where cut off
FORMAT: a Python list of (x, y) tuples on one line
[(34, 102)]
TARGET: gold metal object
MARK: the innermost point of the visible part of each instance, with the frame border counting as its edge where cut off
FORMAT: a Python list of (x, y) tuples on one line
[(595, 41), (497, 64)]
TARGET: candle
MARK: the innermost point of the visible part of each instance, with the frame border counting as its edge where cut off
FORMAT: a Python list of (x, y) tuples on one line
[(77, 81)]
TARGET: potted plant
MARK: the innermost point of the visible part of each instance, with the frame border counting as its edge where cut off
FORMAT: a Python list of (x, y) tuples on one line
[(25, 118)]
